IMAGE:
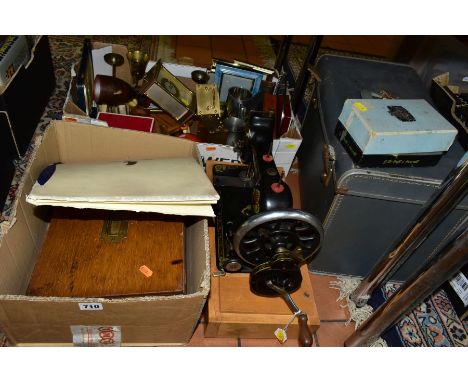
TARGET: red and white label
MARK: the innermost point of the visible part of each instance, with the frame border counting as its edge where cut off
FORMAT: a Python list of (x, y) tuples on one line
[(104, 335)]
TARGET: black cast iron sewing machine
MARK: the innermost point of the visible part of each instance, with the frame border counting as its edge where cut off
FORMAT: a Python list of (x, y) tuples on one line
[(257, 230)]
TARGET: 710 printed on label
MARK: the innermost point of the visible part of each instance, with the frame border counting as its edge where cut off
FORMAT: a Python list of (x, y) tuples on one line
[(90, 306)]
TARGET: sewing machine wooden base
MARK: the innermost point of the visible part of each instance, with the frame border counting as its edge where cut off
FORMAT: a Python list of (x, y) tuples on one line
[(234, 311)]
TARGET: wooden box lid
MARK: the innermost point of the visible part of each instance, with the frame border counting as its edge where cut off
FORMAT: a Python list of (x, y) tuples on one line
[(75, 261)]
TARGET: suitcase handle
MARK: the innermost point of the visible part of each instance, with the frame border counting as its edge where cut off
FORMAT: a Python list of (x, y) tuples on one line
[(328, 157)]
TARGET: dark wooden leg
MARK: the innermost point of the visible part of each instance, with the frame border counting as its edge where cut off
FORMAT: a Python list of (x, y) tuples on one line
[(303, 76), (443, 266), (450, 193)]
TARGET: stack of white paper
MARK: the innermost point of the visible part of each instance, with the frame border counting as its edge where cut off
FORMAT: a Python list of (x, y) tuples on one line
[(176, 186)]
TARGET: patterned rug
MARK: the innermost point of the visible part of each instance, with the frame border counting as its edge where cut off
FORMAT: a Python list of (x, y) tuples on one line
[(434, 323)]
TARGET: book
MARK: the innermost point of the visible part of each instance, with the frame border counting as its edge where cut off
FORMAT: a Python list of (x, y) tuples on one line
[(14, 52), (176, 186)]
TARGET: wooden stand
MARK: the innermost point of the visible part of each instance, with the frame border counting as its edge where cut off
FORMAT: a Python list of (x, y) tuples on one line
[(234, 311)]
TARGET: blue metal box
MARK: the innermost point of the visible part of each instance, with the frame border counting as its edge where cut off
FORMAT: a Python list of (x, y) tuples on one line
[(393, 132)]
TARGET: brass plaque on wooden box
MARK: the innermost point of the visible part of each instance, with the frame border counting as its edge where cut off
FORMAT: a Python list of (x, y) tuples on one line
[(164, 89), (207, 99), (145, 255)]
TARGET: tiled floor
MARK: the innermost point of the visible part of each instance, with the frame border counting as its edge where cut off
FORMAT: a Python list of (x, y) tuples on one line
[(199, 50)]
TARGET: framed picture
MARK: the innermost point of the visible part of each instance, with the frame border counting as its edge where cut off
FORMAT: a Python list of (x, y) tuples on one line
[(244, 65), (174, 87), (168, 92), (84, 80), (227, 77)]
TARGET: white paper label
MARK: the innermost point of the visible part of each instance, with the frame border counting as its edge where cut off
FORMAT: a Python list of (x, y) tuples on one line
[(90, 306), (96, 335), (460, 285)]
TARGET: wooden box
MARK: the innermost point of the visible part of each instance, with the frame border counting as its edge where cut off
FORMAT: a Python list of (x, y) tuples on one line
[(234, 311), (98, 253)]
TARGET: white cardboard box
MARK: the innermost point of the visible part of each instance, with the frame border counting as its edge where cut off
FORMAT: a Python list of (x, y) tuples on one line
[(285, 148), (71, 112), (217, 152), (151, 320)]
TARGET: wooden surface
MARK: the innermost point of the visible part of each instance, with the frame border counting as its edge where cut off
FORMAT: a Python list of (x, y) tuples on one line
[(234, 311), (75, 262)]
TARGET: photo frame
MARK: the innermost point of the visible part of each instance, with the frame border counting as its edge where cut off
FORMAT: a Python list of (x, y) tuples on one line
[(244, 65), (226, 77), (168, 92), (174, 86), (84, 80)]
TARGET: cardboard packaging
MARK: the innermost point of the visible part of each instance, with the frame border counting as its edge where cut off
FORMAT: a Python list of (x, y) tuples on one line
[(285, 148), (393, 132), (24, 98), (149, 320), (13, 53), (71, 111)]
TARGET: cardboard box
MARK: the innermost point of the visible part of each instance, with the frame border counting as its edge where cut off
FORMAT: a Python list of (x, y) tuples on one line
[(217, 152), (14, 52), (71, 111), (155, 320), (285, 148), (24, 98)]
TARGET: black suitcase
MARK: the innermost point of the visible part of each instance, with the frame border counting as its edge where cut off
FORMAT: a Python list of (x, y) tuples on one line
[(364, 210)]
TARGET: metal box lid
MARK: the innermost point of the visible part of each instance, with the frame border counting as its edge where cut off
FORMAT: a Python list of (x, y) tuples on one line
[(396, 126)]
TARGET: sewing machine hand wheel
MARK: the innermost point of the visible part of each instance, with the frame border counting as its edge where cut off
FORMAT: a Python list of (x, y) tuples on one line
[(282, 276), (262, 236)]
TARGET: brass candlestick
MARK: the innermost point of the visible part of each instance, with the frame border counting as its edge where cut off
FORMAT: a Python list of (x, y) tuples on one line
[(114, 60), (138, 61)]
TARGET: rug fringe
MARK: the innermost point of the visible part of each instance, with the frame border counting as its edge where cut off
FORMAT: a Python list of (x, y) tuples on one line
[(346, 286)]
